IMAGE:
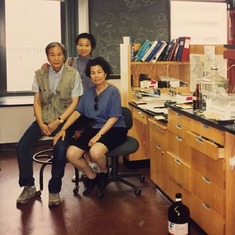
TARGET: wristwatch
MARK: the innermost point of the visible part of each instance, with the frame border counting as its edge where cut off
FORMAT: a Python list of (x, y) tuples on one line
[(60, 120)]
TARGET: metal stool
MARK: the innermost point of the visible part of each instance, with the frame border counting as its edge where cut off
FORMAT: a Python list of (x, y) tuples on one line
[(45, 157)]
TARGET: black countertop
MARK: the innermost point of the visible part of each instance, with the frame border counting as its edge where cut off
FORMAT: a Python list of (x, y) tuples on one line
[(228, 126)]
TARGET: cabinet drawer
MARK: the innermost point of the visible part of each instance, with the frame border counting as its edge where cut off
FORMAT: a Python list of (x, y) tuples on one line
[(205, 131), (176, 128), (212, 169), (158, 134), (210, 193), (179, 171), (177, 146), (139, 115), (171, 188), (175, 117), (209, 220), (157, 165), (203, 145)]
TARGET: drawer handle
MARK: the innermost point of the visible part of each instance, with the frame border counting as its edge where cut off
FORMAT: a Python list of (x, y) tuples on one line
[(158, 146), (178, 138), (179, 114), (205, 126), (206, 179), (159, 128), (178, 126), (140, 113), (177, 161), (206, 206), (200, 139)]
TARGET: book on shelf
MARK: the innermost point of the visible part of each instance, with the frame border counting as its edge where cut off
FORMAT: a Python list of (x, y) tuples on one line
[(175, 52), (164, 53), (185, 54), (143, 49), (155, 50), (172, 52), (162, 45), (150, 51), (180, 49)]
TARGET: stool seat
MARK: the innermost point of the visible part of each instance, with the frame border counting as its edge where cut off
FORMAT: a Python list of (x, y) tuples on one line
[(45, 157), (130, 145)]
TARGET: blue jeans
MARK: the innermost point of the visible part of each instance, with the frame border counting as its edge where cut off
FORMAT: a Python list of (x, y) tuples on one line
[(25, 162)]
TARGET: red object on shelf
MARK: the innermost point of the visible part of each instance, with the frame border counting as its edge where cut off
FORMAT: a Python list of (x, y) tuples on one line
[(229, 54), (231, 26)]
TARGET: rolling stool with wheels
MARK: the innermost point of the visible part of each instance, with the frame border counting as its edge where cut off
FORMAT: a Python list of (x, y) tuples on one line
[(45, 157), (130, 145)]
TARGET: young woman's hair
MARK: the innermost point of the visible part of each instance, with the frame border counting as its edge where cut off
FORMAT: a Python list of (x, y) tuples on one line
[(56, 44), (88, 36), (101, 62)]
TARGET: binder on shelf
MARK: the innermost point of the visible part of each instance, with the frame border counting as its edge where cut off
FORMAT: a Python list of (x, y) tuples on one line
[(144, 48), (162, 45), (185, 54), (150, 51), (163, 56), (174, 46), (180, 49)]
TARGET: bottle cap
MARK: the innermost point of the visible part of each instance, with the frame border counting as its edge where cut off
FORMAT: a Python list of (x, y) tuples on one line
[(178, 195)]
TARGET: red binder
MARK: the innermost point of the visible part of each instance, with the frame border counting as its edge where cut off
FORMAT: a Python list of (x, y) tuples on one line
[(185, 54)]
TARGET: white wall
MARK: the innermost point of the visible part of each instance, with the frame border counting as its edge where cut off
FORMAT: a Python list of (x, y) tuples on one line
[(13, 122)]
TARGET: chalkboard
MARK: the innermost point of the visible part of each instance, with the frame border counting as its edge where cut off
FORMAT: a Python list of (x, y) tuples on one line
[(111, 20)]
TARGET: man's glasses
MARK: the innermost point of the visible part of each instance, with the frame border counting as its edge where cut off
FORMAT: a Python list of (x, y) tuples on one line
[(96, 102)]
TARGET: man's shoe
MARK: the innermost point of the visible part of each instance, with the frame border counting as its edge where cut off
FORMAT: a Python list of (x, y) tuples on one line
[(102, 180), (27, 194), (54, 199), (89, 185)]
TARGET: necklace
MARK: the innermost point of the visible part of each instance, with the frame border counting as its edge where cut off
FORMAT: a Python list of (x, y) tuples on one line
[(102, 89)]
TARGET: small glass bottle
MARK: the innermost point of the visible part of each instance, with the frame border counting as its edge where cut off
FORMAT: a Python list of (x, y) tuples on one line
[(196, 98), (178, 217)]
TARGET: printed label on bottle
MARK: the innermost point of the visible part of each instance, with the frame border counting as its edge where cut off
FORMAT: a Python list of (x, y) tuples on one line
[(177, 229)]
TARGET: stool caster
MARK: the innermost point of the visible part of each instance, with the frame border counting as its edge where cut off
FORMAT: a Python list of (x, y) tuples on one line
[(137, 192), (38, 193), (100, 193), (75, 190), (142, 178)]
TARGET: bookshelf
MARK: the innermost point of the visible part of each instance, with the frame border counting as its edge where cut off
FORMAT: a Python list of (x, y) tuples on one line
[(130, 72), (178, 70)]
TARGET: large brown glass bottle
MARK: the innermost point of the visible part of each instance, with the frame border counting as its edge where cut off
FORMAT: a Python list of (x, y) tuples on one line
[(178, 217)]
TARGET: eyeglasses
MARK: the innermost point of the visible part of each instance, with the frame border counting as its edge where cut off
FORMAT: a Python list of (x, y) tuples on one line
[(96, 103)]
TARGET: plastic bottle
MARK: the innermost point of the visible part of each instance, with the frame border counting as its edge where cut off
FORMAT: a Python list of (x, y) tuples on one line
[(178, 217), (196, 98)]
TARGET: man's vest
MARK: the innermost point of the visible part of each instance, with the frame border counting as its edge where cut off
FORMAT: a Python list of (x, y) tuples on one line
[(53, 105)]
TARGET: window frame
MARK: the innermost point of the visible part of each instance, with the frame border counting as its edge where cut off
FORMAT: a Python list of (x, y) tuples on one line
[(69, 29)]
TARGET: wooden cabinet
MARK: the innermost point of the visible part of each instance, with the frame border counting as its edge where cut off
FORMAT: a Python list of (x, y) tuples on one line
[(187, 156), (140, 131), (196, 162), (158, 142), (192, 158)]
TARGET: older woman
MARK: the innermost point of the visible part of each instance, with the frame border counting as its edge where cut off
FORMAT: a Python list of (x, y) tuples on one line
[(101, 103)]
